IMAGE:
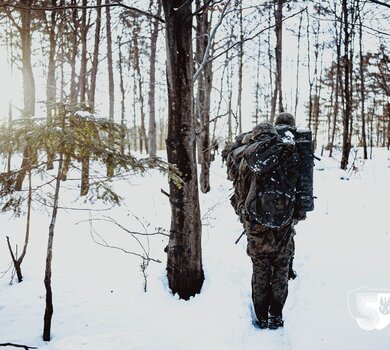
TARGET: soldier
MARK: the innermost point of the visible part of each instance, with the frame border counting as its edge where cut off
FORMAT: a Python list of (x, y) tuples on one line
[(270, 250), (264, 198)]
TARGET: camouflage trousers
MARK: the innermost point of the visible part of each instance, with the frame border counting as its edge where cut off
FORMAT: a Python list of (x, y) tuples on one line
[(269, 285), (271, 252)]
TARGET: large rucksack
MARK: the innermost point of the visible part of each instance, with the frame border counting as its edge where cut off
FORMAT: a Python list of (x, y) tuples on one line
[(267, 177), (303, 140), (274, 166)]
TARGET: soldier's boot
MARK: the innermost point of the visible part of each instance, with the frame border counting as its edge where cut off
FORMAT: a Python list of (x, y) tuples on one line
[(262, 322), (275, 322)]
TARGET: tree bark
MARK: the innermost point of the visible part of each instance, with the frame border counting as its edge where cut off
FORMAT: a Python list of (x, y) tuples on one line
[(111, 94), (347, 96), (95, 59), (184, 266), (49, 254), (152, 84), (123, 96), (51, 79), (83, 64), (362, 88), (240, 70), (73, 56), (203, 99), (278, 52)]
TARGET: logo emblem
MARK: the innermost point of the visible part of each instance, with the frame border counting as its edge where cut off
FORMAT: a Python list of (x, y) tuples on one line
[(370, 307)]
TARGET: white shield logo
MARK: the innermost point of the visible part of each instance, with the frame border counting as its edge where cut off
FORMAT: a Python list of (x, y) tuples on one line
[(370, 307)]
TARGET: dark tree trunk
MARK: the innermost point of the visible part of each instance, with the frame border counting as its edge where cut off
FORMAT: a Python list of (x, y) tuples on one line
[(203, 99), (83, 64), (347, 95), (73, 56), (362, 89), (111, 94), (298, 65), (51, 79), (278, 52), (184, 267), (123, 96), (95, 59), (337, 87), (240, 70)]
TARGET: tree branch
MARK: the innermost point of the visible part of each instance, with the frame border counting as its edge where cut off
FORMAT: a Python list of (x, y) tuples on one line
[(211, 38), (67, 7), (106, 245), (18, 346), (254, 36), (380, 3), (11, 251)]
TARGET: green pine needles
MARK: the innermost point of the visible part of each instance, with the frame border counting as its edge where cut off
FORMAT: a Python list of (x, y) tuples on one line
[(84, 141)]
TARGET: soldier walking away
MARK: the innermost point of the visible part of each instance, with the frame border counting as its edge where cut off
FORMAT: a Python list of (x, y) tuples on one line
[(265, 166)]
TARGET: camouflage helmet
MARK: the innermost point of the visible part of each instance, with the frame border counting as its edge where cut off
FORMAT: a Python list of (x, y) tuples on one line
[(285, 118), (263, 128)]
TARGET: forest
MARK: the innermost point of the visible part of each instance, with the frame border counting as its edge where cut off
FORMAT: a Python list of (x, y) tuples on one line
[(96, 92)]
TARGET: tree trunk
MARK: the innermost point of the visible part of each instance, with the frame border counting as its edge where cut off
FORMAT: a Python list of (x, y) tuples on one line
[(298, 65), (273, 90), (110, 165), (278, 52), (337, 87), (347, 97), (18, 261), (152, 84), (73, 56), (27, 73), (83, 64), (137, 69), (184, 266), (362, 89), (28, 83), (123, 96), (240, 70), (51, 79), (49, 255), (95, 59), (203, 99)]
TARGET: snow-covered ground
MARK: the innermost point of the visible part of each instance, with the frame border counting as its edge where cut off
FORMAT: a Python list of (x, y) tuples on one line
[(99, 298)]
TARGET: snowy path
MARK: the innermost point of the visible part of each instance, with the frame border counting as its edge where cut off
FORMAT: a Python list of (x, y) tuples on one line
[(99, 302)]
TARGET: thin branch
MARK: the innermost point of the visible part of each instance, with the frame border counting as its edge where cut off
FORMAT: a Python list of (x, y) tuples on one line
[(18, 346), (380, 3), (3, 273), (11, 251), (254, 36), (111, 220), (210, 41), (106, 245), (72, 208), (80, 7)]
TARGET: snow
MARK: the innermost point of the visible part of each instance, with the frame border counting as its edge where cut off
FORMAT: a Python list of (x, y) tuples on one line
[(99, 302)]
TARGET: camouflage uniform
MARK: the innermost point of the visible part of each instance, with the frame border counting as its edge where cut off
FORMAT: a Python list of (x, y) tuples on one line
[(271, 251)]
